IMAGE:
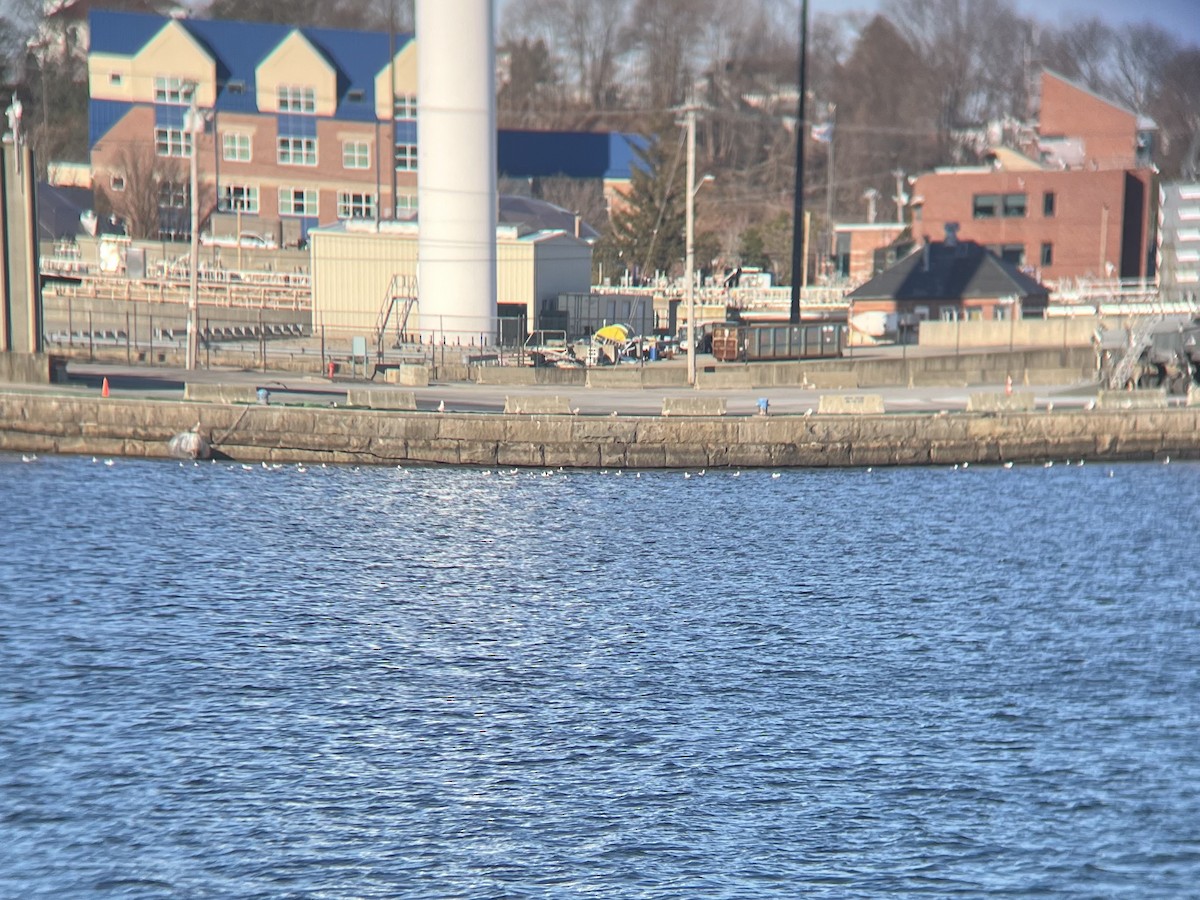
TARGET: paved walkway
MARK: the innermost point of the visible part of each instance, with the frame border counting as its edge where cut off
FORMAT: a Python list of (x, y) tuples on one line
[(166, 383)]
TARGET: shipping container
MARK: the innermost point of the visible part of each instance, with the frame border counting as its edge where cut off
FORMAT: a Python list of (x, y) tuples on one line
[(757, 343)]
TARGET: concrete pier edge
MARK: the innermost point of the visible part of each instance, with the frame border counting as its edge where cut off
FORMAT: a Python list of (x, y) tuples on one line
[(49, 423)]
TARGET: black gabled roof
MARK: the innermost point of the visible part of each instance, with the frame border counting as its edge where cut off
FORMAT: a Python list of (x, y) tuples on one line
[(956, 271)]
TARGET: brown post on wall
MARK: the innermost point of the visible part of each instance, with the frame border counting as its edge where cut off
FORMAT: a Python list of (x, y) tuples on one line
[(20, 286)]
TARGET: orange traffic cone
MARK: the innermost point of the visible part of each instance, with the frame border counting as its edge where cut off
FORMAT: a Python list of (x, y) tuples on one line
[(104, 387)]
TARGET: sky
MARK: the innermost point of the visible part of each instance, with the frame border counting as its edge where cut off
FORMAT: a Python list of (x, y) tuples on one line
[(1180, 17)]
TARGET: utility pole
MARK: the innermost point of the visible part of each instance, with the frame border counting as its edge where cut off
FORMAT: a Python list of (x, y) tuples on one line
[(690, 229), (799, 261), (193, 126)]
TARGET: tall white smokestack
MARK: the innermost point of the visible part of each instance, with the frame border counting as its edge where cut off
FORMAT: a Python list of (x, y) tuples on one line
[(456, 169)]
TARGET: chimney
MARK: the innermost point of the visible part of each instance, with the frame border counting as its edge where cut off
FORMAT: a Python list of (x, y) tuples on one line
[(578, 225)]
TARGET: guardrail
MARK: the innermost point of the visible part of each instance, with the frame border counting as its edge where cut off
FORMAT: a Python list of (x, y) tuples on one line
[(285, 292)]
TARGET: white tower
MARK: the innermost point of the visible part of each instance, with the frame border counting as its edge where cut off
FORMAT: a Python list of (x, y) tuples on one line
[(456, 170)]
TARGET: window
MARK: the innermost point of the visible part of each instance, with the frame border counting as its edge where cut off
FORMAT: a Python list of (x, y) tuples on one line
[(1011, 253), (1048, 204), (989, 206), (169, 89), (297, 99), (117, 183), (295, 151), (356, 155), (355, 206), (1014, 206), (948, 313), (239, 197), (297, 201), (406, 157), (236, 86), (235, 146), (406, 106), (986, 206), (172, 142), (405, 203), (115, 78), (1047, 254), (172, 195)]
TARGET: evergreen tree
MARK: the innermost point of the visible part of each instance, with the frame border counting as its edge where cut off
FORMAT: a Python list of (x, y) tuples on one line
[(647, 225)]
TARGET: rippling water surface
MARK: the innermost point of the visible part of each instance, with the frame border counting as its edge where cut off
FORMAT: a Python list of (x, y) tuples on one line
[(220, 681)]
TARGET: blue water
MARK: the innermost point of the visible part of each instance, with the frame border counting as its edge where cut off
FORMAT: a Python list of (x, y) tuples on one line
[(347, 682)]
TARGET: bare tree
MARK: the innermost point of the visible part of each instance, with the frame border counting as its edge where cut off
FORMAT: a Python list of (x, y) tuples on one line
[(882, 123), (1176, 108), (1081, 51), (1140, 56), (582, 36), (372, 14), (663, 35), (972, 48), (150, 193)]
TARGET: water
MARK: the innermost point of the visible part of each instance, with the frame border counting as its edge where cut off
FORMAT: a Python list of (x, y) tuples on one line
[(228, 682)]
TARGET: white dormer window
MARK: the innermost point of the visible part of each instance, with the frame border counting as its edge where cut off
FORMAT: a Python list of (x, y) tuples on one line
[(171, 89), (297, 99), (406, 106)]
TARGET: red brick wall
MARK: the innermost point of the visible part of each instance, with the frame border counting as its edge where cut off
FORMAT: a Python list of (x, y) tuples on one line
[(1109, 133), (135, 133), (1090, 226)]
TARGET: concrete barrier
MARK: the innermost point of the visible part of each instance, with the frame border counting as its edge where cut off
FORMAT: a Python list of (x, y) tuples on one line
[(1056, 376), (1155, 398), (851, 405), (623, 376), (1022, 401), (381, 398), (693, 406), (523, 375), (31, 368), (409, 375), (220, 393), (535, 405)]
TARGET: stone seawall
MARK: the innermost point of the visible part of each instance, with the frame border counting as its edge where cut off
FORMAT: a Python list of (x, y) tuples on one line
[(87, 425)]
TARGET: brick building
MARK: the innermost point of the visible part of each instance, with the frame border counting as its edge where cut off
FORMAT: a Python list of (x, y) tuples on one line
[(945, 280), (302, 126), (861, 250), (1072, 201)]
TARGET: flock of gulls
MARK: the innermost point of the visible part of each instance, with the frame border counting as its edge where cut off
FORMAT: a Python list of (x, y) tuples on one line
[(549, 473)]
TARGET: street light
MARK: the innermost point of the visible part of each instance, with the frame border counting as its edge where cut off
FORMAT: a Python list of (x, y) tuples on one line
[(690, 236), (193, 125)]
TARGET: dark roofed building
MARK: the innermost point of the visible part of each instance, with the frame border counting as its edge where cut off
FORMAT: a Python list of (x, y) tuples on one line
[(947, 280)]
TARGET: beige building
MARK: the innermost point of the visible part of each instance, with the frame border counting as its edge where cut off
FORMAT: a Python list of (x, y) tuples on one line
[(365, 273)]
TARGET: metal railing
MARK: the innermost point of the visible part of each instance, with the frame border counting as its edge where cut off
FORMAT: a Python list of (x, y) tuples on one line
[(266, 290)]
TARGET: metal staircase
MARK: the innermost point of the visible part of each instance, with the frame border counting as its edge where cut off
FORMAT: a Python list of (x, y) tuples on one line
[(1141, 336), (402, 291)]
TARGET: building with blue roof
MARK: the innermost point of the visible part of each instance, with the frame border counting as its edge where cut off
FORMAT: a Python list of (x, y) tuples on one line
[(300, 126)]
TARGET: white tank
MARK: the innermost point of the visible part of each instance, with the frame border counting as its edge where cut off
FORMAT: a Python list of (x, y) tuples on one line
[(456, 170)]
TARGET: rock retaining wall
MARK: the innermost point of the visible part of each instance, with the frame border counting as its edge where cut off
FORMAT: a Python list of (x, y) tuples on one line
[(87, 425)]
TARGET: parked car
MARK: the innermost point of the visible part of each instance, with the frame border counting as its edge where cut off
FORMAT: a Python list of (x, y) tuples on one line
[(246, 239)]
